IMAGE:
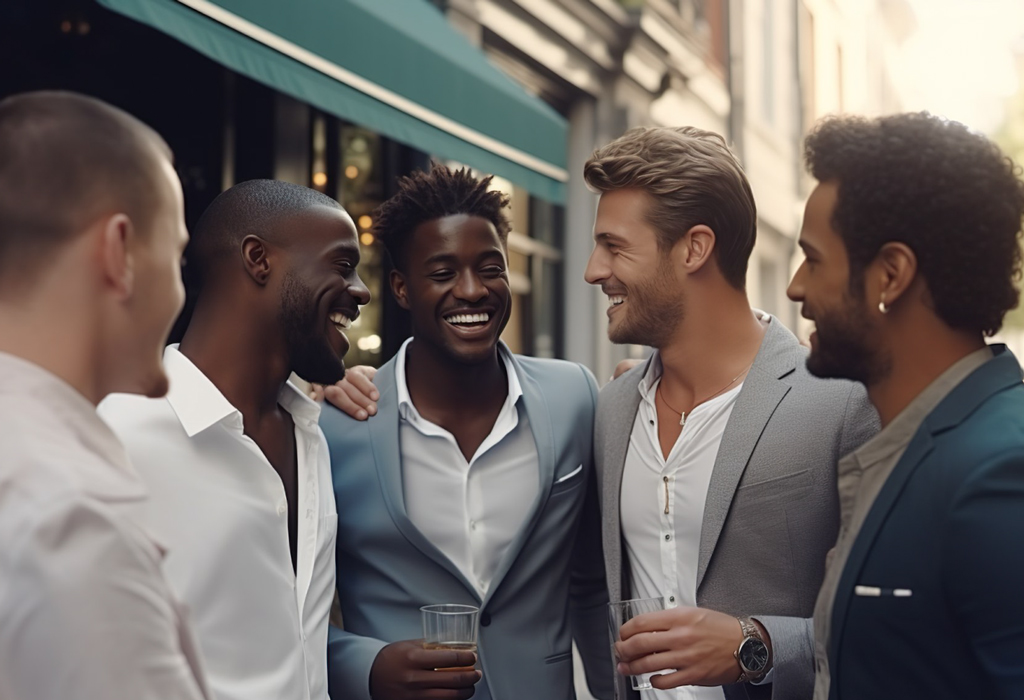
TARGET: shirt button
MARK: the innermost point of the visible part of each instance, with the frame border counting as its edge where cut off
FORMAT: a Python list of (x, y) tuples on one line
[(472, 525), (282, 509), (671, 599), (668, 538)]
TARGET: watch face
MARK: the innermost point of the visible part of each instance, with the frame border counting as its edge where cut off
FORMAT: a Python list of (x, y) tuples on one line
[(753, 655)]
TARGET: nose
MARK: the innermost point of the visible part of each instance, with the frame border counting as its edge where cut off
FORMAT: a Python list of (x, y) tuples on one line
[(359, 291), (597, 267), (795, 290), (470, 288)]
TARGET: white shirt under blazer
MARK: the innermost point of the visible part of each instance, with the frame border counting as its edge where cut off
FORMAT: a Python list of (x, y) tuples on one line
[(662, 504), (472, 509), (220, 505)]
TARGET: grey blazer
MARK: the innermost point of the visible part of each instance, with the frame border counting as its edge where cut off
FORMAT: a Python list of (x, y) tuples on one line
[(550, 587), (772, 510)]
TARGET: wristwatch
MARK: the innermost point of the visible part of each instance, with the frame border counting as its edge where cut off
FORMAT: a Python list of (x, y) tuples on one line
[(752, 653)]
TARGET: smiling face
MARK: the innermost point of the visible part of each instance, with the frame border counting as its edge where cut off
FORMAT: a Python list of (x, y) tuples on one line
[(321, 291), (645, 295), (455, 286), (844, 344)]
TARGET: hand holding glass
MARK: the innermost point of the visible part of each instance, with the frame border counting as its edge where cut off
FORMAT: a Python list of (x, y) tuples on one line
[(622, 612), (450, 627)]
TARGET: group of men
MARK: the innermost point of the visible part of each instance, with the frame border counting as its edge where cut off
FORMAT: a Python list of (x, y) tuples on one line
[(838, 524)]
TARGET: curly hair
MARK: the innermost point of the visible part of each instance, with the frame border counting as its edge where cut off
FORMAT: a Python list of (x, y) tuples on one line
[(949, 194), (426, 196), (692, 178)]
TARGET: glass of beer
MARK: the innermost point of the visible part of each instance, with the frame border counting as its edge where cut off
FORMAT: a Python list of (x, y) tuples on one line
[(449, 626), (622, 612)]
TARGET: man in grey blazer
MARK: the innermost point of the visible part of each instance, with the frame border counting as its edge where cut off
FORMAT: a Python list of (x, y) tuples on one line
[(472, 484), (716, 459)]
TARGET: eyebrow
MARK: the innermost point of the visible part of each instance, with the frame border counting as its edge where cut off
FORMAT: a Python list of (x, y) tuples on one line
[(343, 248), (607, 236)]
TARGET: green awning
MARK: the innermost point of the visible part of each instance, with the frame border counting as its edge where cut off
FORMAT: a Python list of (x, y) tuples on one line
[(394, 66)]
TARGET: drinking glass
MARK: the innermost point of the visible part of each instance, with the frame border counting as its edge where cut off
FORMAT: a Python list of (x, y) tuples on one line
[(450, 626), (622, 612)]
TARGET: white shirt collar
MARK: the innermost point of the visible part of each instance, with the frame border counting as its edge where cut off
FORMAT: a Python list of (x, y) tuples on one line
[(406, 408), (198, 403)]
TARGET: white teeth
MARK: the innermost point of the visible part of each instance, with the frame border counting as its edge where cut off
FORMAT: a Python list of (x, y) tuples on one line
[(615, 301), (465, 319), (341, 321)]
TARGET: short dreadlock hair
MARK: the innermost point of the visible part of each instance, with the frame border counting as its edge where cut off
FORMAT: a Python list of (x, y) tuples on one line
[(427, 196), (947, 193)]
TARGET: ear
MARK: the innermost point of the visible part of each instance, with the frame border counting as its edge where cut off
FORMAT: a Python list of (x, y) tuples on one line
[(894, 269), (399, 289), (695, 248), (117, 239), (255, 257)]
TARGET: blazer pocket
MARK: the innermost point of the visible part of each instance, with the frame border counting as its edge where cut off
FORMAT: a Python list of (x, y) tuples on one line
[(558, 658), (568, 481), (794, 483)]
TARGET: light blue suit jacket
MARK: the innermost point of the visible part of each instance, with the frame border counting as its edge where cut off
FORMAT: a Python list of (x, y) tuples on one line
[(549, 588)]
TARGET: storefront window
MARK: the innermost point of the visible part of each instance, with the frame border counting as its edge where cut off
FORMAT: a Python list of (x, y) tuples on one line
[(361, 190)]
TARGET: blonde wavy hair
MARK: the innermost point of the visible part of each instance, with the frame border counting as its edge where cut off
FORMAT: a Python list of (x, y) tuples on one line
[(692, 178)]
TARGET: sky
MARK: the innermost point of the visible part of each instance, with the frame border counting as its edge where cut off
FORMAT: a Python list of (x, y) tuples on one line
[(960, 60)]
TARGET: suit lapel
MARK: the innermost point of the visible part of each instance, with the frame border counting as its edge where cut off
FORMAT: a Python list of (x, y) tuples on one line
[(761, 394), (540, 424), (385, 443), (613, 449)]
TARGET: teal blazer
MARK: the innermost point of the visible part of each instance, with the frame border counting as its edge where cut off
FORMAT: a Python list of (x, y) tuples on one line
[(549, 589), (948, 526)]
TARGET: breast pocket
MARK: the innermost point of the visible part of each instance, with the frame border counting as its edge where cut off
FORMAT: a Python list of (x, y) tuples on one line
[(568, 481)]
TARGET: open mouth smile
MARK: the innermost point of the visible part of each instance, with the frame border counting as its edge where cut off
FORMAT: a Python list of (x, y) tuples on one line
[(477, 320), (342, 321)]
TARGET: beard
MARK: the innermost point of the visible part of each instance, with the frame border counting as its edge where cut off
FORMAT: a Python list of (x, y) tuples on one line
[(654, 311), (313, 357), (844, 349)]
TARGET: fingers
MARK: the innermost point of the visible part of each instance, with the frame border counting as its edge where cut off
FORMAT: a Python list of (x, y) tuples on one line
[(442, 694), (316, 392), (452, 680), (624, 367), (431, 659), (666, 681), (350, 400), (640, 647), (362, 382), (660, 621), (365, 371)]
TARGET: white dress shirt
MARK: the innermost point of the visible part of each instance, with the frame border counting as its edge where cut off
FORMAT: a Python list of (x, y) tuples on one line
[(470, 510), (662, 504), (220, 505), (85, 610)]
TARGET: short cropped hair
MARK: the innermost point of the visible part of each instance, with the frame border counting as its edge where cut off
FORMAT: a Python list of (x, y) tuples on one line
[(692, 178), (250, 207), (426, 196), (947, 193), (65, 160)]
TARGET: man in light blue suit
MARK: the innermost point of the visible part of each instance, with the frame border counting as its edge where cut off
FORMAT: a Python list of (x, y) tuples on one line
[(471, 482)]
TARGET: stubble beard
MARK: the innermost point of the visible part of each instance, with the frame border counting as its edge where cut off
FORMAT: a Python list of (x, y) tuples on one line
[(652, 314)]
